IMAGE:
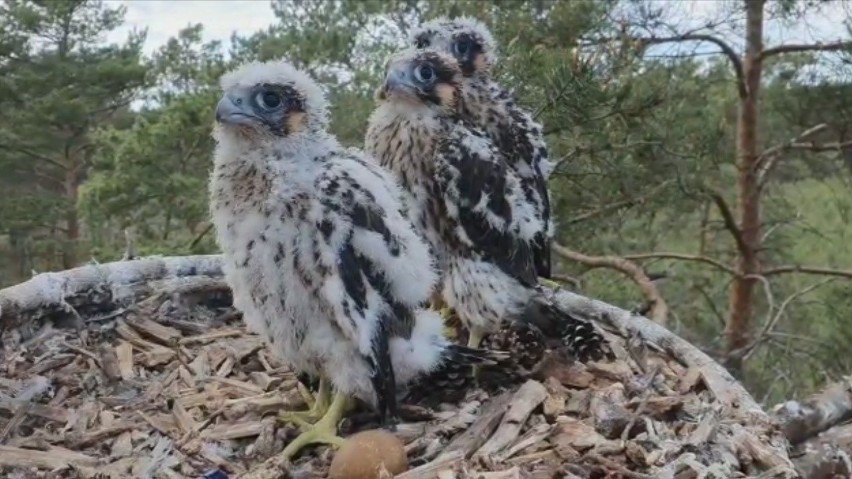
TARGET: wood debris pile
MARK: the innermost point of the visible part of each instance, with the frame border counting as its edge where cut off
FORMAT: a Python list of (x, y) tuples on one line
[(162, 381)]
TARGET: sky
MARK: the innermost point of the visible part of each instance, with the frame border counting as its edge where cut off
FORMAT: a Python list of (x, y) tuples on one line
[(222, 17)]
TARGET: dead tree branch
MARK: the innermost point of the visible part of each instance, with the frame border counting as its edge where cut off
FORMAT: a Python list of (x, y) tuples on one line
[(770, 157), (626, 203), (727, 50), (808, 270), (683, 257), (109, 286), (813, 47), (659, 308), (730, 393), (801, 421), (728, 219), (774, 315), (826, 456)]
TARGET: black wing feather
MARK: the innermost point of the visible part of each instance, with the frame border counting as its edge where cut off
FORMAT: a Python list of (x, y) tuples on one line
[(478, 176), (516, 139), (358, 271), (541, 247)]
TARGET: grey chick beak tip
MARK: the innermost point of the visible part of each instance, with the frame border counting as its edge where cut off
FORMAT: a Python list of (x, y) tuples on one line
[(229, 112), (398, 79)]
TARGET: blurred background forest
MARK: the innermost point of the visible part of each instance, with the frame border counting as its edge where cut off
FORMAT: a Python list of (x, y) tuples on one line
[(702, 177)]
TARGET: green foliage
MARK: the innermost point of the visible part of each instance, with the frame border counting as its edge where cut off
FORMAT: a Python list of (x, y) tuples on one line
[(147, 177), (62, 83)]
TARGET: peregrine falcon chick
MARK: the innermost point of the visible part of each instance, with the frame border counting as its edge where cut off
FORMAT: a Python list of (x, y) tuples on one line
[(467, 202), (491, 108), (321, 259)]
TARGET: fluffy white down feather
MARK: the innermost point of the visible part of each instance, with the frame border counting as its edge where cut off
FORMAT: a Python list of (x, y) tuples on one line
[(268, 199), (412, 142)]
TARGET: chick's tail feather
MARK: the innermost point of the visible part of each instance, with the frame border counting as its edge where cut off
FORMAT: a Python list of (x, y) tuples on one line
[(454, 377), (578, 337)]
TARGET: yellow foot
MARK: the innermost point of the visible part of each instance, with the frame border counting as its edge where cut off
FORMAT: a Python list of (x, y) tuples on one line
[(306, 394), (318, 406), (446, 315), (473, 341), (549, 283), (323, 431)]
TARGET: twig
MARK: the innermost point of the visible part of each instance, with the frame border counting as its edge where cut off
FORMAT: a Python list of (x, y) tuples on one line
[(529, 396), (808, 270), (814, 47), (478, 432), (659, 308), (803, 420), (430, 470), (767, 160), (774, 318), (129, 250), (200, 236), (627, 203), (727, 50), (683, 257), (564, 278), (728, 219), (610, 464)]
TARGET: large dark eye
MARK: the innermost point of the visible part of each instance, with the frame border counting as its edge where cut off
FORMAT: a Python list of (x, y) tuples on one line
[(269, 100), (462, 46), (422, 43), (424, 73)]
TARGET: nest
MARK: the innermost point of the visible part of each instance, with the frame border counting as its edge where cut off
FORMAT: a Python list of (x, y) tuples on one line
[(143, 369)]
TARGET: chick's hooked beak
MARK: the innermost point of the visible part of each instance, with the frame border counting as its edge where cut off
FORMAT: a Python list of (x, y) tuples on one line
[(234, 111), (399, 79)]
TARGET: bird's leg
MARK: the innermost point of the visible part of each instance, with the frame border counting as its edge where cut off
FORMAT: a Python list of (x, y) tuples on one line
[(475, 335), (318, 407), (445, 311), (323, 431), (549, 283), (446, 314), (306, 394)]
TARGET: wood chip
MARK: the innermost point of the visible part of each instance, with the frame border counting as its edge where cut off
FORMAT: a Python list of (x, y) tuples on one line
[(138, 396), (124, 353), (529, 396), (164, 335), (478, 432), (122, 446), (184, 420), (53, 458), (208, 337), (109, 362), (234, 431)]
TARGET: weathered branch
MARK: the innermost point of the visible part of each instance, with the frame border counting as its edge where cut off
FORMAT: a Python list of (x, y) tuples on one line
[(564, 278), (659, 308), (684, 257), (728, 219), (35, 156), (770, 157), (627, 203), (727, 50), (730, 394), (774, 316), (826, 456), (201, 235), (801, 421), (823, 147), (808, 270), (812, 47), (104, 286)]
